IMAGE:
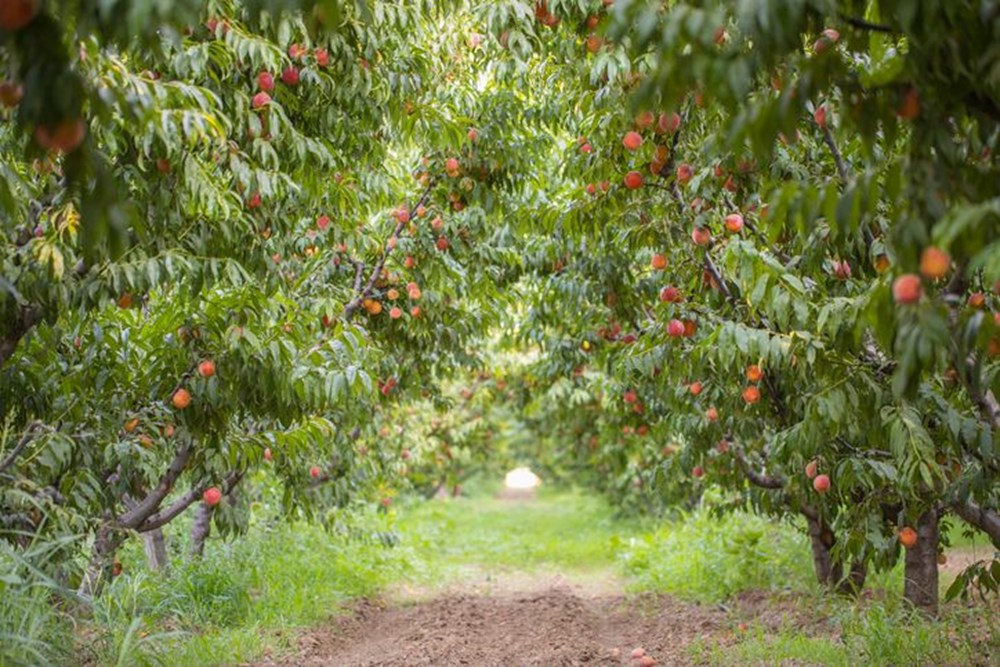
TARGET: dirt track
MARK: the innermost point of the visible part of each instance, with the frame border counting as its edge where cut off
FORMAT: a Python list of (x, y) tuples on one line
[(549, 623), (553, 627)]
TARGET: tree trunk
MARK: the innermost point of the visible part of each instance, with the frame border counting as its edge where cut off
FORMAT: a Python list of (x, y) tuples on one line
[(921, 573), (156, 549), (100, 569), (201, 529), (828, 571)]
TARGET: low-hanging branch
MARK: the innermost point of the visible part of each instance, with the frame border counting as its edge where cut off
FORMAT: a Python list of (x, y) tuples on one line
[(164, 517)]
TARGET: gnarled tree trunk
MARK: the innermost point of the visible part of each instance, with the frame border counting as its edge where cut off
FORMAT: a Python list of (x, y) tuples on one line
[(921, 566)]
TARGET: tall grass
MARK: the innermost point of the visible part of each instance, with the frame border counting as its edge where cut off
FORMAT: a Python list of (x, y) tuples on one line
[(710, 558), (33, 620)]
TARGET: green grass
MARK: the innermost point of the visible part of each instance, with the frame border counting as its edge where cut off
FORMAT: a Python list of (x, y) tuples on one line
[(243, 597), (558, 531), (709, 559)]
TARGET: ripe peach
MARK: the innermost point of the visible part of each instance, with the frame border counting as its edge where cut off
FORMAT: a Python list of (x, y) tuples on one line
[(695, 388), (322, 57), (821, 483), (415, 311), (697, 472), (265, 81), (908, 537), (586, 148), (267, 454), (451, 167), (290, 76), (15, 14), (977, 300), (820, 117), (659, 262), (934, 263), (212, 496), (206, 368), (255, 201), (669, 123), (675, 328), (472, 134), (734, 222), (754, 373), (812, 468), (701, 236), (907, 289), (645, 120), (402, 215), (632, 141), (442, 243), (591, 189), (670, 294), (322, 222), (181, 398), (64, 137), (684, 173), (751, 394), (395, 313), (647, 661), (633, 180), (712, 414), (882, 263), (315, 472)]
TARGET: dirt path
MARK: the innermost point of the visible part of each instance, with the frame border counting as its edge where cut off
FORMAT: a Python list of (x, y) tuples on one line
[(512, 621)]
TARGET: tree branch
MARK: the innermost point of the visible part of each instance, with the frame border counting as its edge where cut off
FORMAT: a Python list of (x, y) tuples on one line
[(762, 480), (25, 440), (161, 519), (366, 291), (984, 519), (144, 508), (865, 25)]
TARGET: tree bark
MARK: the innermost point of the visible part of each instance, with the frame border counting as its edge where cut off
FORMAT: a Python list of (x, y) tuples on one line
[(921, 567), (830, 570), (156, 549), (201, 529), (983, 518)]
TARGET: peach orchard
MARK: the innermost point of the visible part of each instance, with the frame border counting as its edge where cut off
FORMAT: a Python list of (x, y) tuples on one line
[(288, 244)]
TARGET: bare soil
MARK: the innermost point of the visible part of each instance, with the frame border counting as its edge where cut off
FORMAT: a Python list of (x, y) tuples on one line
[(522, 620)]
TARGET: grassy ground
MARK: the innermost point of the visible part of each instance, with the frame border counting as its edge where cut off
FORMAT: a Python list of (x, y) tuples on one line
[(248, 597)]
